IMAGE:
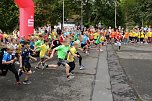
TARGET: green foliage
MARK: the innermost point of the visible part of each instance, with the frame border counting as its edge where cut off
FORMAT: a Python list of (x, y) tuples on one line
[(129, 12), (8, 15), (136, 11)]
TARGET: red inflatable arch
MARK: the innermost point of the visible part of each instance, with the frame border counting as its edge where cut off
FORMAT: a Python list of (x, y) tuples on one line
[(26, 8)]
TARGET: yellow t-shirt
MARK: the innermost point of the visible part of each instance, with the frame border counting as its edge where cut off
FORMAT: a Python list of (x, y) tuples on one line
[(149, 34), (146, 36), (43, 50), (96, 35), (135, 34), (102, 39), (142, 35), (19, 48), (131, 34), (70, 57), (54, 33)]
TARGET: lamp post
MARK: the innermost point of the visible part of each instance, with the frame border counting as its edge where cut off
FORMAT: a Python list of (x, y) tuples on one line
[(63, 13), (115, 14), (81, 13)]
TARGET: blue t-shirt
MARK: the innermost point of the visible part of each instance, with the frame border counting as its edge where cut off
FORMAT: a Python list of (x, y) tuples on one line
[(66, 33), (85, 38), (22, 41), (32, 45), (7, 57)]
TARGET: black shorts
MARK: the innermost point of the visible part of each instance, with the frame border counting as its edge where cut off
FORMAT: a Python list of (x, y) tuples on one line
[(83, 45), (37, 54), (4, 70), (142, 39), (130, 38), (26, 67), (61, 62), (72, 65)]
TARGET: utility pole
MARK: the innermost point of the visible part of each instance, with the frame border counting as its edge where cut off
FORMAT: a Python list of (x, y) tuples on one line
[(142, 21), (115, 14), (81, 13), (63, 13)]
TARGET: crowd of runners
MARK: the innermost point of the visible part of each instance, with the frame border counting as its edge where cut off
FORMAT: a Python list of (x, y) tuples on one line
[(47, 43)]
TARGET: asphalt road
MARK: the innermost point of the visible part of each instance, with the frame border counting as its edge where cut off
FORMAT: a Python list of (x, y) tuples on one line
[(136, 60), (128, 78), (51, 85)]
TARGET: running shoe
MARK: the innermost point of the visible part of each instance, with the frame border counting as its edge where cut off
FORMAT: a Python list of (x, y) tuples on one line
[(27, 82), (37, 67), (70, 77), (44, 66), (71, 74), (82, 67)]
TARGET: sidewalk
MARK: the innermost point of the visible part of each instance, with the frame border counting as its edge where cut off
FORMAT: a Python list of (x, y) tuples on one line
[(102, 88)]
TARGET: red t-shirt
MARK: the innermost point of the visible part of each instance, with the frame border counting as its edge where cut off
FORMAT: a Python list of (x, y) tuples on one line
[(45, 37), (118, 37), (1, 37), (61, 38)]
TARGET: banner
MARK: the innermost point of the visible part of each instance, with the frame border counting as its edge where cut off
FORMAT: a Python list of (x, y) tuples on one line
[(26, 8)]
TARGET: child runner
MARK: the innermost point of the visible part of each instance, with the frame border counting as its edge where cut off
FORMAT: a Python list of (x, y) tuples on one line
[(71, 55), (25, 64), (84, 43), (43, 51), (118, 38), (99, 42), (8, 63), (38, 43), (62, 52), (80, 57)]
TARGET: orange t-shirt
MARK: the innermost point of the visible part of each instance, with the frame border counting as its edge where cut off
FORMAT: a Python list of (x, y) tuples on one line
[(126, 35), (113, 34)]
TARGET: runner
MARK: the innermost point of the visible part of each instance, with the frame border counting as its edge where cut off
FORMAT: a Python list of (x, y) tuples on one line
[(62, 52), (43, 51), (118, 38), (25, 64), (38, 43), (84, 43), (71, 55), (8, 63), (99, 42)]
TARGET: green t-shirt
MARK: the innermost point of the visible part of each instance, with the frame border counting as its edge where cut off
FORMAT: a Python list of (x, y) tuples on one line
[(98, 40), (79, 43), (75, 37), (62, 51), (38, 43)]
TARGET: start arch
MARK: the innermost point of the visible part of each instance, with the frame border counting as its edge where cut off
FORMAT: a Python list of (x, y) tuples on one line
[(26, 9)]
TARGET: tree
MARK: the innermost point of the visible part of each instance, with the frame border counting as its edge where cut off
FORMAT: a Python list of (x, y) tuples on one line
[(9, 15), (137, 12)]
